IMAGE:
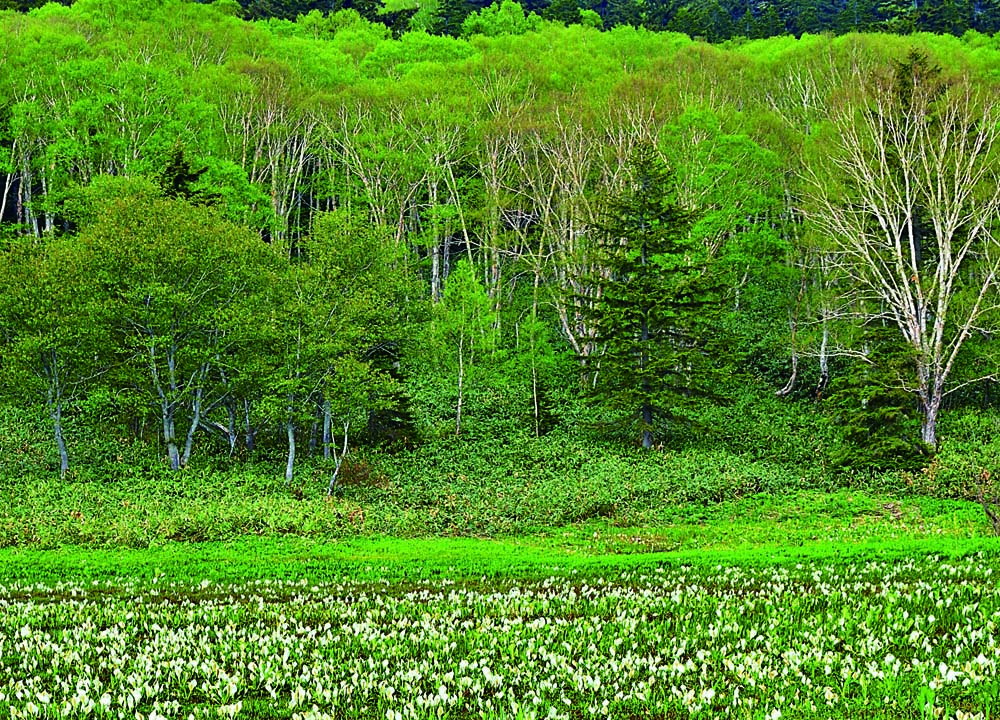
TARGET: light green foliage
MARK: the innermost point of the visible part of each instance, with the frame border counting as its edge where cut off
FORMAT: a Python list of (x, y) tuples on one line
[(173, 278), (589, 18), (230, 8), (461, 336), (504, 17), (392, 6), (57, 339), (505, 149), (394, 58)]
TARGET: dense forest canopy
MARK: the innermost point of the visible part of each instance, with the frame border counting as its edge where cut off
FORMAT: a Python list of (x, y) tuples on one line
[(229, 234), (713, 20)]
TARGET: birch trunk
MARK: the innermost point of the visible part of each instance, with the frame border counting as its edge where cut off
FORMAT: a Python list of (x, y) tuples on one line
[(918, 149), (290, 463)]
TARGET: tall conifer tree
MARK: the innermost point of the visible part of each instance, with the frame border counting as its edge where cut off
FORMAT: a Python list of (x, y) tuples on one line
[(655, 302)]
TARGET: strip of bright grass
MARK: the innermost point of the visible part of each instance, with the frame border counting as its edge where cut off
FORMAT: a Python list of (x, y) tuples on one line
[(460, 628), (826, 606)]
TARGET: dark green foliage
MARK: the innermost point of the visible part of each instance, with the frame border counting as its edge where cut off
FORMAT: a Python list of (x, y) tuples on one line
[(450, 16), (654, 307), (622, 12), (179, 179), (879, 421), (715, 21), (564, 11)]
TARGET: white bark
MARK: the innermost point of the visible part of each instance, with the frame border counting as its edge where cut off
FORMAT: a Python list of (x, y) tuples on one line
[(936, 159)]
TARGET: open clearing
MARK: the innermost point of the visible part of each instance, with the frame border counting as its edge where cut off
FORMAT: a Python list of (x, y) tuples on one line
[(470, 629)]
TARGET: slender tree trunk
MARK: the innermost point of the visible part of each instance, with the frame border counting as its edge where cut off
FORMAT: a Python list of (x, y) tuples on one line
[(166, 402), (250, 433), (195, 422), (339, 459), (794, 326), (231, 425), (824, 360), (461, 379), (169, 434), (930, 409), (647, 408), (55, 412), (436, 272), (535, 402), (327, 422), (45, 192), (290, 464), (8, 182), (647, 420)]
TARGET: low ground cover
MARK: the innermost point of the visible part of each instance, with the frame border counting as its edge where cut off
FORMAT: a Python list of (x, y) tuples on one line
[(479, 579), (511, 629)]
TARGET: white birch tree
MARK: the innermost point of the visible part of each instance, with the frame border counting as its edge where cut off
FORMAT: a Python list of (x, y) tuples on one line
[(910, 200)]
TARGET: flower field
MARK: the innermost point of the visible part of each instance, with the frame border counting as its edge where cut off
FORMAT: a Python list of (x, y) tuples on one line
[(918, 638)]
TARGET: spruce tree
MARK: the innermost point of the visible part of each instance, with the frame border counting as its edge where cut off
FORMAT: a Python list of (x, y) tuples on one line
[(655, 303), (878, 420)]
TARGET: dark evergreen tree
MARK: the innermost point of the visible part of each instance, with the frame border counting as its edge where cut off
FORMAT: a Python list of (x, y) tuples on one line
[(179, 179), (985, 16), (879, 420), (655, 306), (856, 16), (687, 20), (806, 20), (449, 17), (719, 24), (944, 17), (622, 12), (656, 14), (564, 11), (769, 24)]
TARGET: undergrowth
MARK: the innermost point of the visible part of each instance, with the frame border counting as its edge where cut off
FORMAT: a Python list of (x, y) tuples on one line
[(493, 483)]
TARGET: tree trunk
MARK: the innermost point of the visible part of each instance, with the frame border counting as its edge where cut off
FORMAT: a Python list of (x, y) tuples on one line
[(248, 427), (824, 360), (289, 473), (327, 434), (339, 459), (169, 434), (8, 183), (647, 409), (461, 378), (195, 422), (55, 411), (437, 270), (231, 425), (535, 400), (436, 273), (647, 420), (928, 426)]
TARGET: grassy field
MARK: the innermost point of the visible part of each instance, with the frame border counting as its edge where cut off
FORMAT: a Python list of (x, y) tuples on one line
[(542, 626), (828, 605)]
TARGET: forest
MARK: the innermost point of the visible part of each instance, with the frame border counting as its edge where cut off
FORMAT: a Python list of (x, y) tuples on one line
[(229, 242), (499, 362), (712, 20)]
